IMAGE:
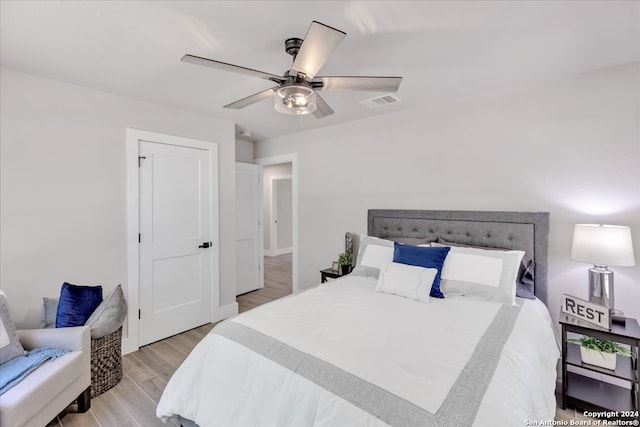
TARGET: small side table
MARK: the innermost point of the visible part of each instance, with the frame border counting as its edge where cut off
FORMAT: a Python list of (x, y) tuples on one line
[(587, 393), (329, 273)]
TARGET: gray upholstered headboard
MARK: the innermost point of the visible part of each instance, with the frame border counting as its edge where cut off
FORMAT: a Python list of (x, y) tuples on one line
[(527, 231)]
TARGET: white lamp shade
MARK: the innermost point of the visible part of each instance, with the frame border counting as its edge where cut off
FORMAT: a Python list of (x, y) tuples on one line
[(603, 245)]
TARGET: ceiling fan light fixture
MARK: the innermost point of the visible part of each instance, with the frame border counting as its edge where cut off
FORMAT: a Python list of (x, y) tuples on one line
[(295, 90), (295, 99)]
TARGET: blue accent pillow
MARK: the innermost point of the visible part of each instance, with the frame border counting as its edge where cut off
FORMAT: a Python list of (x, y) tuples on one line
[(424, 257), (76, 304)]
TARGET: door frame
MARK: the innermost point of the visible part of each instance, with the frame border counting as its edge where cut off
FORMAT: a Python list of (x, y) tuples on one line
[(273, 238), (293, 159), (131, 342), (260, 221)]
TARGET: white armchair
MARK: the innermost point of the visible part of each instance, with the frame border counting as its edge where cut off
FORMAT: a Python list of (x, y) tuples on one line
[(48, 390)]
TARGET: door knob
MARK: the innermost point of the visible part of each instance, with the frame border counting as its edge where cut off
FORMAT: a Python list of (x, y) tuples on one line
[(205, 245)]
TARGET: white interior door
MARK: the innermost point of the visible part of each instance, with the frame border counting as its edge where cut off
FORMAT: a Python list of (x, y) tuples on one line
[(283, 233), (282, 215), (176, 207), (249, 272)]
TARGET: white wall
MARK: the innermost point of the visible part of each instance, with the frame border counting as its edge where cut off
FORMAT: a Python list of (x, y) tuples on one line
[(63, 187), (283, 169), (244, 151), (570, 147)]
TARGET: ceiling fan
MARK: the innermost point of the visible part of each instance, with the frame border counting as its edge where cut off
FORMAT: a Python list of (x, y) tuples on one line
[(296, 90)]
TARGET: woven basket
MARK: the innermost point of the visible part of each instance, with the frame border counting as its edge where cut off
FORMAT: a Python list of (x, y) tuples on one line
[(106, 362)]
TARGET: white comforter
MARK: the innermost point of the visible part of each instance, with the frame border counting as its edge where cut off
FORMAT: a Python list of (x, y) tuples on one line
[(413, 350)]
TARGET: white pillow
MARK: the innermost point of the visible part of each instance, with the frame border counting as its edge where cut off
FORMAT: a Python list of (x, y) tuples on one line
[(487, 274), (408, 281), (373, 253), (376, 256)]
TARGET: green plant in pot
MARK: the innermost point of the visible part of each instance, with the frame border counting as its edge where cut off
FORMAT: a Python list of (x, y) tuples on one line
[(600, 352), (345, 260)]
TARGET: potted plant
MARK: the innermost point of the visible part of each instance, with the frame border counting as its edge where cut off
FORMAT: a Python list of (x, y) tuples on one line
[(600, 352), (345, 260)]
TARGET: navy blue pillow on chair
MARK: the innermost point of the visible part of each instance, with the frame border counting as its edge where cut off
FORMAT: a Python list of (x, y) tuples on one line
[(426, 257), (76, 304)]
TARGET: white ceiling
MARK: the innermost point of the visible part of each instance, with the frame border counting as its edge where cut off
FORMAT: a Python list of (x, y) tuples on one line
[(443, 50)]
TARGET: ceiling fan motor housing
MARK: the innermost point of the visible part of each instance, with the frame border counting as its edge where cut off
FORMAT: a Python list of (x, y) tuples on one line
[(292, 46)]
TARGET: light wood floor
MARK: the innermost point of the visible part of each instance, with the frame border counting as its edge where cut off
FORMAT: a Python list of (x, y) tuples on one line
[(133, 401), (145, 372), (277, 283)]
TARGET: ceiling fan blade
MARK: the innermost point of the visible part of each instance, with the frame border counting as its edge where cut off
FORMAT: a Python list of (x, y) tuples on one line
[(370, 84), (192, 59), (252, 99), (320, 41), (322, 108)]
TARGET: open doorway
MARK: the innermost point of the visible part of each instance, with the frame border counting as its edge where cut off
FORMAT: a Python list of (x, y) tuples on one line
[(277, 209), (280, 219), (280, 232)]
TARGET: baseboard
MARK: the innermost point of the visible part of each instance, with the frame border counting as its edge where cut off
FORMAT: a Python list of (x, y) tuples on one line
[(276, 252), (126, 346), (226, 311)]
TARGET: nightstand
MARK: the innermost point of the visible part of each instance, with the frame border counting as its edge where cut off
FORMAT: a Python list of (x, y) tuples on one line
[(329, 273), (587, 393)]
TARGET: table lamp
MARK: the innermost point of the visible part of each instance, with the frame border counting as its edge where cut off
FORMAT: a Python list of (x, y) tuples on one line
[(602, 246)]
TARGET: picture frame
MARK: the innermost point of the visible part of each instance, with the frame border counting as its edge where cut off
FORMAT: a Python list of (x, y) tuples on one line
[(334, 266)]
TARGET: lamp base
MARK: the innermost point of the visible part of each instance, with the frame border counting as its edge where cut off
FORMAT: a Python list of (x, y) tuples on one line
[(601, 286)]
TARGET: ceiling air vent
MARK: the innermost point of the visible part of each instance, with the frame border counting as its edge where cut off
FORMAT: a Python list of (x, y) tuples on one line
[(379, 101)]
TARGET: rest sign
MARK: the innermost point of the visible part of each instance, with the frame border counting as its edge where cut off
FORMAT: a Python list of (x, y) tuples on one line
[(587, 311)]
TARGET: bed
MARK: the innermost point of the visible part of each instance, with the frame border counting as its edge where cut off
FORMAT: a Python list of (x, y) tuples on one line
[(370, 349)]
